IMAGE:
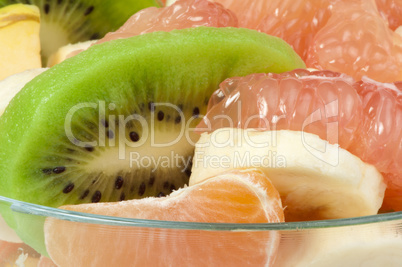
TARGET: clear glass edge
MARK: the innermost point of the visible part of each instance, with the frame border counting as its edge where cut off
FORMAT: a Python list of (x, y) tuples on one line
[(38, 210)]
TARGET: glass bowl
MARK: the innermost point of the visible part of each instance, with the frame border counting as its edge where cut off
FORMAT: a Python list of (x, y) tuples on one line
[(79, 239)]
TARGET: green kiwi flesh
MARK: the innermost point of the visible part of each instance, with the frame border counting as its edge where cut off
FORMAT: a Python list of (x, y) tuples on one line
[(164, 78), (71, 21)]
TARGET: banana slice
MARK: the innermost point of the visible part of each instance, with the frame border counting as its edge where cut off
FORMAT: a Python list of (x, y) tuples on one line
[(64, 52), (368, 245), (10, 86), (316, 180)]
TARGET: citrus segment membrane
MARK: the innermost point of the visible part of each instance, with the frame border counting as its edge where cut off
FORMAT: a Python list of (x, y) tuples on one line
[(238, 196)]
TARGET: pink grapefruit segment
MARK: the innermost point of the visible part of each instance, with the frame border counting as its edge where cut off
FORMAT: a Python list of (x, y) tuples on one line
[(296, 22), (354, 37), (392, 11), (381, 143), (250, 12), (296, 100), (180, 15), (238, 196), (363, 117), (356, 40)]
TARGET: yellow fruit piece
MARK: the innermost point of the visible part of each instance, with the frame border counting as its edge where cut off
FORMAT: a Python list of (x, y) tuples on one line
[(65, 51), (19, 39)]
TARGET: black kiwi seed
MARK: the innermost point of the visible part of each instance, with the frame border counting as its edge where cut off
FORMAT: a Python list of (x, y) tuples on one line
[(89, 148), (119, 182), (142, 106), (46, 8), (134, 136), (89, 10), (151, 180), (188, 172), (105, 123), (59, 170), (110, 134), (84, 194), (161, 116), (141, 189), (95, 36), (94, 174), (196, 112), (68, 188), (90, 21), (96, 197)]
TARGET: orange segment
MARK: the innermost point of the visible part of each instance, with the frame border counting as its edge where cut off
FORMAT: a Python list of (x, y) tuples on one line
[(13, 253), (8, 252), (238, 196)]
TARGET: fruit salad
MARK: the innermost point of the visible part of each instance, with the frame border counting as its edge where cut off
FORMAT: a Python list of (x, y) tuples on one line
[(201, 132)]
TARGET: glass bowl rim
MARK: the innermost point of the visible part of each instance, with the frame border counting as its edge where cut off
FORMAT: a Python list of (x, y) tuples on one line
[(44, 211)]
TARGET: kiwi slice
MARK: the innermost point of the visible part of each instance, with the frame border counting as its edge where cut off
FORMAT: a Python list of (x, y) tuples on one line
[(114, 122), (71, 21)]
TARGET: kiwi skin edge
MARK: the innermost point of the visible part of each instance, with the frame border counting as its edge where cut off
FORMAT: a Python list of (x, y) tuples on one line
[(156, 67)]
